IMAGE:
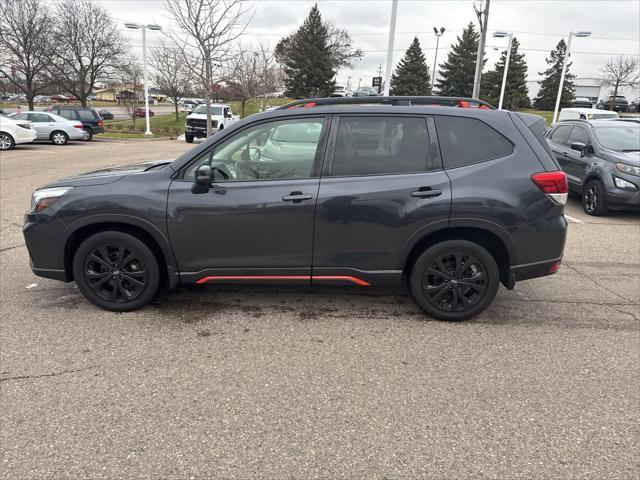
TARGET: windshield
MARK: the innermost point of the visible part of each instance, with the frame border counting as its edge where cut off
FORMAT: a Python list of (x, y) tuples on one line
[(620, 138), (203, 109)]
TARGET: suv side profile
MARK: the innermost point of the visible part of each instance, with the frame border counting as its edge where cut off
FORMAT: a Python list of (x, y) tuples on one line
[(91, 121), (602, 161), (372, 191)]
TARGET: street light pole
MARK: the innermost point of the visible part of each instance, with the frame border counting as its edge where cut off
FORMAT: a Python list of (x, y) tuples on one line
[(483, 18), (392, 34), (506, 64), (564, 70), (136, 26), (435, 58)]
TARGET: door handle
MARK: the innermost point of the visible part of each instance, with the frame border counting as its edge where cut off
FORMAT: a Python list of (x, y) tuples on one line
[(426, 192), (296, 197), (565, 154)]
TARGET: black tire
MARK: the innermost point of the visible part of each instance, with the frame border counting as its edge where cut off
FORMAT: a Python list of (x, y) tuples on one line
[(454, 280), (109, 284), (594, 201), (6, 141), (59, 138), (188, 138), (88, 134)]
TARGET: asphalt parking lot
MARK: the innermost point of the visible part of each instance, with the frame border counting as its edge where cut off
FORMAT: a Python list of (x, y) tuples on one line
[(264, 383)]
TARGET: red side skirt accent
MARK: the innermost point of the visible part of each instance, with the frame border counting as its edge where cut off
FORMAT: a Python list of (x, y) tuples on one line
[(347, 278)]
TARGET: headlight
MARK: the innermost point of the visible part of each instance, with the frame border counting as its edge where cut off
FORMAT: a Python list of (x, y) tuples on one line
[(46, 197), (623, 184), (630, 169)]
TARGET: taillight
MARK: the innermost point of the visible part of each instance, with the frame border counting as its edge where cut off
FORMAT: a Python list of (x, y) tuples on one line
[(24, 125), (553, 184), (100, 124), (78, 126)]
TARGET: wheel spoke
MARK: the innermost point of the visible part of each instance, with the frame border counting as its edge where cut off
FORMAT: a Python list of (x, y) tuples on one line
[(463, 299), (95, 257), (478, 288), (97, 275), (133, 280), (441, 267), (459, 264), (436, 298), (437, 273), (101, 282), (127, 259)]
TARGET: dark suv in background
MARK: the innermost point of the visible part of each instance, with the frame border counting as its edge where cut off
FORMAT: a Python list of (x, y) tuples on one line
[(91, 120), (617, 103), (602, 161), (449, 201)]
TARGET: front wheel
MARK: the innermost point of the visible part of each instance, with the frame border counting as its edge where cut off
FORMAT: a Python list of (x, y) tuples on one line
[(188, 138), (116, 271), (454, 280), (88, 134), (6, 141), (593, 199)]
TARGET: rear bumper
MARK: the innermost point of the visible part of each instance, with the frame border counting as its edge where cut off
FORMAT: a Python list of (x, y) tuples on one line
[(27, 136), (534, 270)]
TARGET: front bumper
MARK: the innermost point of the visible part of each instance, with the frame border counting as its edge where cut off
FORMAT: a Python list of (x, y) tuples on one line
[(618, 199), (43, 234)]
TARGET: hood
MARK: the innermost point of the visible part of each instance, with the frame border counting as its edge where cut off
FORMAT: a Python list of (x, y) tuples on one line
[(108, 175), (630, 158)]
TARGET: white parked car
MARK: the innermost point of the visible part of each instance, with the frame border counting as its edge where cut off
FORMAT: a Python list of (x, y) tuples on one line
[(585, 114), (196, 124), (51, 127), (14, 132), (340, 91)]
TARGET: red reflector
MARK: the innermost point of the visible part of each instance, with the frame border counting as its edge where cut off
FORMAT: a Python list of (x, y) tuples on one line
[(484, 107), (551, 182), (555, 267), (463, 104), (292, 107), (310, 104)]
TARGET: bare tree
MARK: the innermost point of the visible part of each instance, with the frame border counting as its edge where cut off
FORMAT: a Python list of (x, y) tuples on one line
[(207, 30), (88, 47), (619, 72), (24, 45), (171, 74), (252, 74), (131, 84)]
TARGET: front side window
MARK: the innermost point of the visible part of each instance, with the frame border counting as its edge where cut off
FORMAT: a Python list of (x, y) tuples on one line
[(561, 134), (380, 145), (465, 141), (268, 151), (578, 135)]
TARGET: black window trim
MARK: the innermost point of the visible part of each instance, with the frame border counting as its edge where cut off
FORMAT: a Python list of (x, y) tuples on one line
[(579, 127), (513, 146), (316, 167), (570, 127), (431, 165)]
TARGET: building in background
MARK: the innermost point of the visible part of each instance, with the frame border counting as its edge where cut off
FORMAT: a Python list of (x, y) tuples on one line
[(588, 88)]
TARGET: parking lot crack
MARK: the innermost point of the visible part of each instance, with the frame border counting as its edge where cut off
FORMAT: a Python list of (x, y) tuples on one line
[(573, 269), (11, 248), (44, 375)]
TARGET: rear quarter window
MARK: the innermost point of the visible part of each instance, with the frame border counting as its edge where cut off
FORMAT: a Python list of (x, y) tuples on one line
[(466, 141), (87, 115)]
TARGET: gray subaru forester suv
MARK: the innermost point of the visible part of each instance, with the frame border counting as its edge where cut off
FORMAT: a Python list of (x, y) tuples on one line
[(445, 195)]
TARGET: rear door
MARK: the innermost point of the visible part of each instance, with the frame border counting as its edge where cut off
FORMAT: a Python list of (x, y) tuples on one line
[(575, 161), (43, 124), (558, 141), (382, 187)]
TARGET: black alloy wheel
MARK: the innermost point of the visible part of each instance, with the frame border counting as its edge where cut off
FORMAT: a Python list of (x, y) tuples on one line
[(593, 199), (454, 280), (116, 271)]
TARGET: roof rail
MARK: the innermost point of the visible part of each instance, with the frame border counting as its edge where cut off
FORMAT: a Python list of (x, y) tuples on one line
[(582, 120), (460, 102)]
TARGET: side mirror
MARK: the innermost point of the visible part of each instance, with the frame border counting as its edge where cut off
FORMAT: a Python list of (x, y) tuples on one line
[(580, 147), (203, 179)]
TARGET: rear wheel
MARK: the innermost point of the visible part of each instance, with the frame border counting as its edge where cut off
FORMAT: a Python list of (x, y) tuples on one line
[(88, 134), (454, 280), (188, 138), (116, 271), (59, 138), (6, 141), (594, 201)]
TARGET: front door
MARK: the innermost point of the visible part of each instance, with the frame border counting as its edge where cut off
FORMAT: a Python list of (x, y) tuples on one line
[(256, 220), (575, 161), (43, 124)]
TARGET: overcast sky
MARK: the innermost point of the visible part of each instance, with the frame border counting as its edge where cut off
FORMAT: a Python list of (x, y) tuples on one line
[(538, 25)]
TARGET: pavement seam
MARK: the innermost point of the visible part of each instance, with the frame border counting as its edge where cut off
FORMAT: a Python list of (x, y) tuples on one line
[(11, 248), (598, 284), (54, 374)]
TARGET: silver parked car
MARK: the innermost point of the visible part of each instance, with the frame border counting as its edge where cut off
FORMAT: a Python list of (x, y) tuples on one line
[(51, 127)]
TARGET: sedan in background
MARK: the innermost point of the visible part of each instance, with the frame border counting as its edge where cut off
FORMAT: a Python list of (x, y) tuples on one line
[(14, 132), (105, 114), (365, 92), (52, 128), (340, 91), (139, 112), (634, 106), (582, 102)]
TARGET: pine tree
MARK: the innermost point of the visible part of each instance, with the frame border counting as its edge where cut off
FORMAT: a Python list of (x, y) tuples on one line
[(455, 78), (546, 99), (411, 76), (515, 92), (309, 64)]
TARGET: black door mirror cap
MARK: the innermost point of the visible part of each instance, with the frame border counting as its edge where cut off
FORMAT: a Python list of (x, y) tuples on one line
[(580, 147)]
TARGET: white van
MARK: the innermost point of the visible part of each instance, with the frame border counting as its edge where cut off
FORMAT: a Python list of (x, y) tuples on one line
[(585, 114)]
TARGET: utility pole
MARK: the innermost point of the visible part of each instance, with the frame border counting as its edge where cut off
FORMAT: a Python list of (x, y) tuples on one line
[(392, 35), (483, 19)]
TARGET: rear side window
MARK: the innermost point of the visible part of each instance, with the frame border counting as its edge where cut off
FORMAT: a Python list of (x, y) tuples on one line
[(560, 134), (578, 134), (380, 145), (465, 141), (539, 129), (87, 115)]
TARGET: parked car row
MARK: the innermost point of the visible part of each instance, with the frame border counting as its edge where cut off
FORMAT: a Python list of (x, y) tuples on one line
[(58, 126)]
